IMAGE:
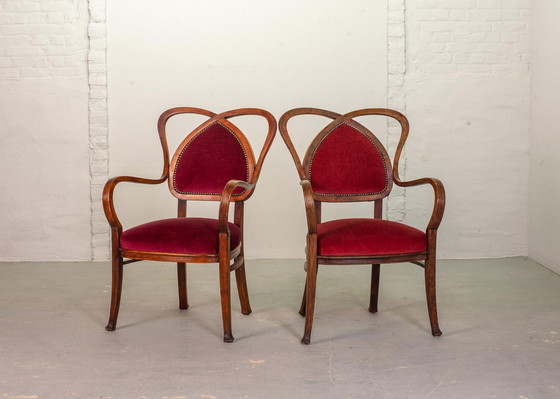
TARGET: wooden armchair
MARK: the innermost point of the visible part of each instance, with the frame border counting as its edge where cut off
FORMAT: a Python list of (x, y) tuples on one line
[(346, 163), (213, 163)]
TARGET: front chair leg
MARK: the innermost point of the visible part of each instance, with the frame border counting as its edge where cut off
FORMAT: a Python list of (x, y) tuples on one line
[(310, 302), (225, 290), (374, 289), (311, 285), (241, 279), (116, 289), (225, 296), (182, 282), (430, 281)]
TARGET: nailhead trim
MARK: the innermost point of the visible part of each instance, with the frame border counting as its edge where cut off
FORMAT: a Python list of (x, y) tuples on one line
[(194, 138), (371, 141)]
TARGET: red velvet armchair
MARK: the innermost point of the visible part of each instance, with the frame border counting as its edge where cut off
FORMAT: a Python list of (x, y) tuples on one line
[(346, 163), (214, 162)]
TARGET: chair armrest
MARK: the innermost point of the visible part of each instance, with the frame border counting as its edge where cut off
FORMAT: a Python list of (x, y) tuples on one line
[(439, 198), (108, 190), (225, 201), (310, 210)]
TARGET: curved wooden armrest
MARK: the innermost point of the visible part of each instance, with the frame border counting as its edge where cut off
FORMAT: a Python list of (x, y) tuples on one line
[(225, 201), (310, 210), (439, 198), (108, 204)]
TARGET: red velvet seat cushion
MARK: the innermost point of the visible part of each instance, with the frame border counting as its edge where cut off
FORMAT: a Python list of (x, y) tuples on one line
[(348, 237), (178, 236)]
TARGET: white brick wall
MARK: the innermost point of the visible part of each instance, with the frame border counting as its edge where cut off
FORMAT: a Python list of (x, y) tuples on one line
[(469, 46), (60, 41), (44, 149), (98, 125), (40, 39), (469, 36), (466, 93), (396, 98)]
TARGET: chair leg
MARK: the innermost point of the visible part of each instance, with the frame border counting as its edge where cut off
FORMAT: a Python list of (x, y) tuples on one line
[(374, 290), (303, 300), (310, 289), (225, 294), (225, 289), (116, 289), (241, 279), (430, 281), (182, 282)]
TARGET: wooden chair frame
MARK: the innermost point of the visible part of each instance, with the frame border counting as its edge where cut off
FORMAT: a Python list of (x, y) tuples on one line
[(225, 254), (425, 259)]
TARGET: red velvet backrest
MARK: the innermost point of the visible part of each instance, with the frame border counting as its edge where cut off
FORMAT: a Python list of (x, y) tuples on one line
[(347, 162), (207, 159)]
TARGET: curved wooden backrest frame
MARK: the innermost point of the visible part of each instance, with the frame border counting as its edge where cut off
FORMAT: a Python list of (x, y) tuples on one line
[(303, 169), (253, 170)]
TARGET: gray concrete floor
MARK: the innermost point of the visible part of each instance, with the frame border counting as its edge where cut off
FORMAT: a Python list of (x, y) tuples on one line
[(500, 320)]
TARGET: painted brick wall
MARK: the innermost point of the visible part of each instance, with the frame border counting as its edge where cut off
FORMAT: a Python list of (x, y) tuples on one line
[(45, 82), (41, 39), (466, 92), (396, 98), (455, 37), (459, 69), (98, 126)]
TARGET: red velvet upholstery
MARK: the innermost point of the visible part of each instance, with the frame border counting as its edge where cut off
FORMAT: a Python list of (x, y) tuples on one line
[(355, 237), (209, 161), (347, 162), (178, 236)]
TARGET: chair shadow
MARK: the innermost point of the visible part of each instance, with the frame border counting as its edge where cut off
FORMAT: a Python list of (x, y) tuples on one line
[(275, 320)]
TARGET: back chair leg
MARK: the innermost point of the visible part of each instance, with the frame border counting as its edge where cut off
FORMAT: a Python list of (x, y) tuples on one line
[(241, 279), (303, 300), (374, 290), (182, 282), (430, 281), (116, 289)]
